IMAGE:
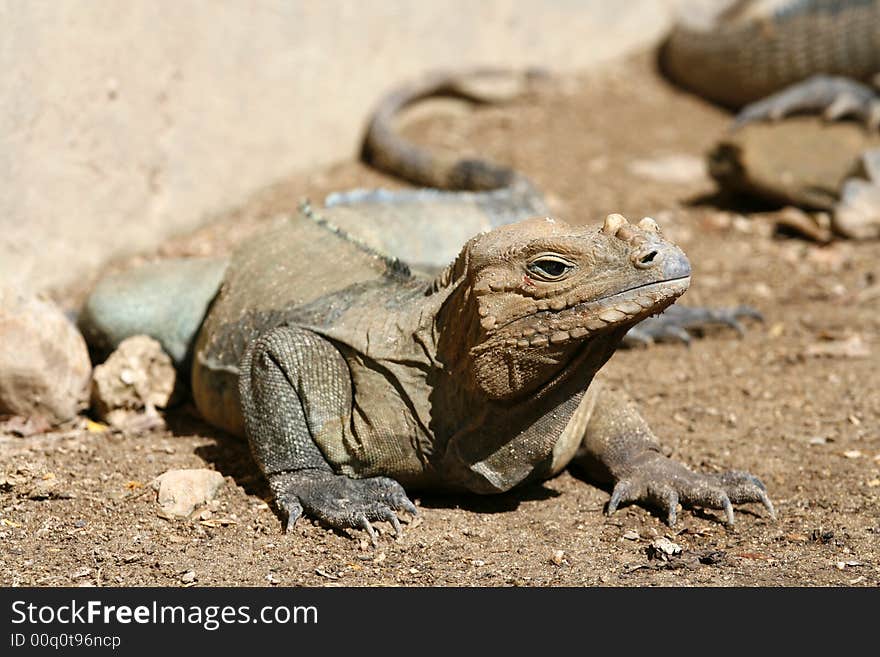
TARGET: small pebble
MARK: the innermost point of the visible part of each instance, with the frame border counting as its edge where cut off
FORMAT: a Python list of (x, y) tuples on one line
[(179, 492), (666, 546), (135, 380)]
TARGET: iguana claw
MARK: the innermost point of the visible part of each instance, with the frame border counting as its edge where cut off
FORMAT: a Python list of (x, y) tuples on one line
[(664, 483), (292, 509), (341, 502)]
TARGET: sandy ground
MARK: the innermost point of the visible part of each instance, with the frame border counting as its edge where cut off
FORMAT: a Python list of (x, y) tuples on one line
[(617, 140)]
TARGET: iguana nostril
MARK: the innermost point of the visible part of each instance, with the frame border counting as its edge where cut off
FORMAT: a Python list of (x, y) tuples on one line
[(647, 259)]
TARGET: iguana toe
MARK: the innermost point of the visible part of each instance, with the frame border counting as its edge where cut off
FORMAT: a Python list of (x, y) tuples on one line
[(658, 494), (391, 493), (291, 508), (743, 487)]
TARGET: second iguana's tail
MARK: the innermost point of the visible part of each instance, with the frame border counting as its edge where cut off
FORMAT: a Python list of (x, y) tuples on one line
[(386, 149)]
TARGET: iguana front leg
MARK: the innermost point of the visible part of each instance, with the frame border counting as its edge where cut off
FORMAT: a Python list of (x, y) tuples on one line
[(831, 96), (620, 448), (293, 385)]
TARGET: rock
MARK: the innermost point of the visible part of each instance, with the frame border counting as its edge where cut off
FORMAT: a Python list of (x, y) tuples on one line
[(677, 168), (857, 216), (663, 546), (24, 426), (853, 346), (801, 161), (44, 363), (816, 226), (34, 486), (181, 491), (137, 379), (810, 163)]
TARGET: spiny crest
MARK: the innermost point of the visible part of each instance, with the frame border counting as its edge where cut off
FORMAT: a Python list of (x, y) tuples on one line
[(395, 267)]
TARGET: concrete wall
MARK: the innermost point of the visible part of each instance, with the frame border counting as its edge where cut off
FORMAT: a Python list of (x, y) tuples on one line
[(122, 122)]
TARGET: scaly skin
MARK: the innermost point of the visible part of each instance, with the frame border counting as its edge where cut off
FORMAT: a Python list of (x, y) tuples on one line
[(425, 227), (502, 194), (385, 149), (358, 382)]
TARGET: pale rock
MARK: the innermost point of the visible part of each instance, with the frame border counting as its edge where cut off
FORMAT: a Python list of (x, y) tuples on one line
[(181, 491), (44, 362), (136, 379)]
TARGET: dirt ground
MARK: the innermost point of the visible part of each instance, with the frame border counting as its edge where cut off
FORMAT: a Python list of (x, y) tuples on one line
[(615, 140)]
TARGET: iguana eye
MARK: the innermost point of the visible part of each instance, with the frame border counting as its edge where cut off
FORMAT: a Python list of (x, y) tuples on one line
[(549, 268)]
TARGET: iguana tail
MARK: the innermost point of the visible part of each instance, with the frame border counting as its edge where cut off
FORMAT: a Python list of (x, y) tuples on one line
[(166, 300), (385, 149)]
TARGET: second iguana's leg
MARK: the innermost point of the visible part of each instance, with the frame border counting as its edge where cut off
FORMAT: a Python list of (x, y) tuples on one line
[(833, 97), (294, 385), (619, 448)]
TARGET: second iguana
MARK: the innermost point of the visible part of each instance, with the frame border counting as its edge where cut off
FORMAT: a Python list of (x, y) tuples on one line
[(769, 60)]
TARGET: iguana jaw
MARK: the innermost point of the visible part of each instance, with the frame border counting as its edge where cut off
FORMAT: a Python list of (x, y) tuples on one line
[(584, 320)]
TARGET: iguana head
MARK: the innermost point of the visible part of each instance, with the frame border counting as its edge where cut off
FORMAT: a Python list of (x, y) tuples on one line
[(541, 292)]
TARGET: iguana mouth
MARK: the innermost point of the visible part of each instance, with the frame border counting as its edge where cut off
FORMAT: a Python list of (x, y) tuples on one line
[(584, 319)]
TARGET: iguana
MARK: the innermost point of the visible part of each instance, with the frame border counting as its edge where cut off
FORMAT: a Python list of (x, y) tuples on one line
[(355, 376), (770, 59)]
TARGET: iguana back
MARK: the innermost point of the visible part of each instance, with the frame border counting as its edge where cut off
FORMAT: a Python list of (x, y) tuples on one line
[(270, 279)]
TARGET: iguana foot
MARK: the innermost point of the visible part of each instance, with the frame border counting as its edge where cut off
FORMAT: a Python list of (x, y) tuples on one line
[(833, 97), (339, 501), (664, 483), (675, 322)]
